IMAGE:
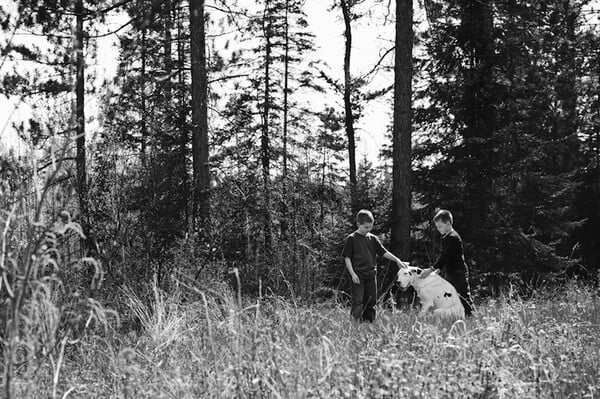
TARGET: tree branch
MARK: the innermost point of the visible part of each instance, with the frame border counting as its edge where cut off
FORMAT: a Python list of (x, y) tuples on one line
[(112, 32), (110, 8), (379, 62), (228, 77)]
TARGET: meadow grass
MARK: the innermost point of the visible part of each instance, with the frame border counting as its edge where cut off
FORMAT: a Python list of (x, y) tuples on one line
[(212, 346)]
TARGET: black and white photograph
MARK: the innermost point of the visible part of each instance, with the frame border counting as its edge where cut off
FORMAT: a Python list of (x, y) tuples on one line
[(299, 199)]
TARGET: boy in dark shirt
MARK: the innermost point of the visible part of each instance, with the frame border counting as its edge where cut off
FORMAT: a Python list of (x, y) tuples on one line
[(452, 261), (360, 256)]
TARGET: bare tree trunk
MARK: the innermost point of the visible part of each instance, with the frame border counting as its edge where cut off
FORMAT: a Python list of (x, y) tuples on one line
[(323, 178), (143, 126), (402, 130), (349, 117), (80, 126), (181, 115), (265, 145), (201, 198), (284, 207), (285, 90)]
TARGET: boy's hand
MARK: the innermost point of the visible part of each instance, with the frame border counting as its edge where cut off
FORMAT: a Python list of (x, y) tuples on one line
[(355, 278), (402, 264)]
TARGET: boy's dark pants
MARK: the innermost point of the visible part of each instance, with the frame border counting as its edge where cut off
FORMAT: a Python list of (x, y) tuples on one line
[(364, 297), (460, 282)]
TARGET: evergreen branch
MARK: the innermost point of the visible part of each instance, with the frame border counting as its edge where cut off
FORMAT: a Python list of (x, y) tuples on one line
[(52, 35), (110, 8), (371, 95), (229, 11), (331, 81), (42, 62), (12, 35)]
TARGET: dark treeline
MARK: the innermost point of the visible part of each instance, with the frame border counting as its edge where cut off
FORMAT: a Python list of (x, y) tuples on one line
[(210, 158)]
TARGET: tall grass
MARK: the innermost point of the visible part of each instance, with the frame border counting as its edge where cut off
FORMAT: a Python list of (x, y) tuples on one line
[(47, 305), (212, 346)]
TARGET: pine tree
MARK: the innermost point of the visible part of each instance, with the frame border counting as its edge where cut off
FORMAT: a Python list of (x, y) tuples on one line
[(346, 6), (63, 71), (273, 54), (402, 131), (200, 145), (149, 117), (498, 143)]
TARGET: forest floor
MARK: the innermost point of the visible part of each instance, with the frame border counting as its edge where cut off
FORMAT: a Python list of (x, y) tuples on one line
[(547, 346)]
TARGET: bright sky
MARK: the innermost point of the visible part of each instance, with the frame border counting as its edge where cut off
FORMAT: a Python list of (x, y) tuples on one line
[(369, 40), (328, 27)]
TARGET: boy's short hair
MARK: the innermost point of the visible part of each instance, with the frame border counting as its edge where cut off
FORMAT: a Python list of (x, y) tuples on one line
[(364, 216), (443, 216)]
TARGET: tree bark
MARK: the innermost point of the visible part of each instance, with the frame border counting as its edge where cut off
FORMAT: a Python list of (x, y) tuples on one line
[(182, 115), (82, 188), (200, 151), (476, 31), (349, 117), (143, 125), (264, 142), (284, 205), (402, 130), (285, 90)]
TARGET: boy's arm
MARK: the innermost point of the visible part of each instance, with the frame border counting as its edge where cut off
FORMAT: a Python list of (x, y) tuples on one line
[(442, 262), (448, 249), (353, 275), (384, 253), (390, 256), (451, 250)]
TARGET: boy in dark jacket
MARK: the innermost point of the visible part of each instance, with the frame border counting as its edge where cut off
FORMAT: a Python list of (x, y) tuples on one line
[(452, 261), (360, 256)]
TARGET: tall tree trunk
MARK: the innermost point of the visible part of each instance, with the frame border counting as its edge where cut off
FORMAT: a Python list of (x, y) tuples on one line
[(284, 207), (200, 198), (285, 89), (80, 126), (323, 188), (143, 125), (166, 134), (477, 31), (349, 117), (402, 130), (265, 146), (182, 114)]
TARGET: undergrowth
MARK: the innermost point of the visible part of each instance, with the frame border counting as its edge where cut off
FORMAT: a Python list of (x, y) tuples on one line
[(210, 345)]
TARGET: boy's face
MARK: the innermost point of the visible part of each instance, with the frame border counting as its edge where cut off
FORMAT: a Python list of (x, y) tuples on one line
[(443, 227), (365, 228)]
